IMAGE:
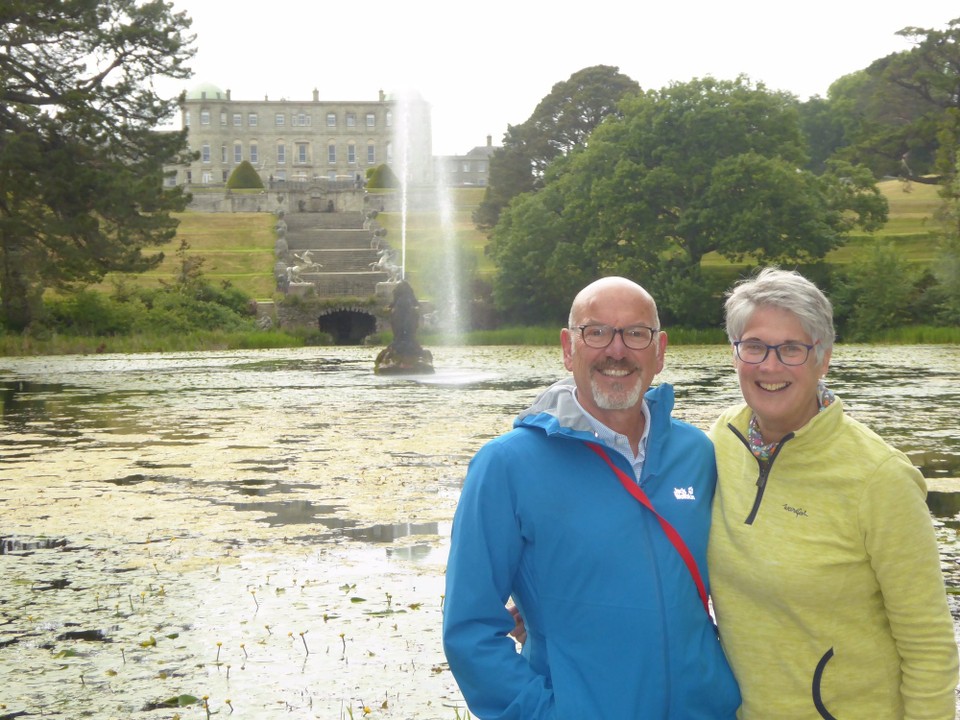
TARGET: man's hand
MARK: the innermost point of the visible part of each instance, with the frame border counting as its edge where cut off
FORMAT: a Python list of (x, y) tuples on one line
[(519, 631)]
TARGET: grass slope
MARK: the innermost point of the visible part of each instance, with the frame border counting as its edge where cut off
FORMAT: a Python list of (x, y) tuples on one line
[(238, 247)]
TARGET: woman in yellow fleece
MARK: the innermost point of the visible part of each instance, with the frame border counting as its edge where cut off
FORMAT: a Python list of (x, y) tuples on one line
[(823, 560)]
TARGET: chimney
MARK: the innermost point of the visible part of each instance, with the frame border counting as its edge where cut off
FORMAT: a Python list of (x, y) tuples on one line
[(381, 96), (316, 95), (228, 94), (489, 140)]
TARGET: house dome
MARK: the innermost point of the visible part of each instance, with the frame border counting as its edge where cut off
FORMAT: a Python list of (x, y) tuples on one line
[(207, 91)]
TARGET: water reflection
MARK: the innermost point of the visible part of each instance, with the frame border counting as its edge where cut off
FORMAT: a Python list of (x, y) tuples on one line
[(390, 532), (13, 545), (945, 505), (294, 512)]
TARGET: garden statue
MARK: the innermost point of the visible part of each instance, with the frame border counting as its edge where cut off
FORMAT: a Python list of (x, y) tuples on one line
[(404, 355)]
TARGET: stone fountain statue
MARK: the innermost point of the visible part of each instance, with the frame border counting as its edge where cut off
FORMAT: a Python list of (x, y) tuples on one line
[(404, 355)]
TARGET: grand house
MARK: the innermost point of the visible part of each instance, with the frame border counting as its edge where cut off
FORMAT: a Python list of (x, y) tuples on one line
[(294, 140)]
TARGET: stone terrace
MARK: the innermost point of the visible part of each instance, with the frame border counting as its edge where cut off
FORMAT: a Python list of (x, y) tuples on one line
[(341, 244)]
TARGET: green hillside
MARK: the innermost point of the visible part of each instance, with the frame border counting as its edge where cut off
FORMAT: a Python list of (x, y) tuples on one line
[(238, 247)]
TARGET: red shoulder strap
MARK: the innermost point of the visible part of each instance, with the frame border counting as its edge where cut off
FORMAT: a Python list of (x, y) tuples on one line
[(671, 533)]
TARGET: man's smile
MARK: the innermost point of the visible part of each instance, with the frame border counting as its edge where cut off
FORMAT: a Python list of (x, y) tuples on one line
[(616, 370)]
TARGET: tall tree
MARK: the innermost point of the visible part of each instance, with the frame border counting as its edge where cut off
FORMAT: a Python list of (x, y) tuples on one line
[(900, 112), (562, 121), (81, 164), (825, 131), (700, 167)]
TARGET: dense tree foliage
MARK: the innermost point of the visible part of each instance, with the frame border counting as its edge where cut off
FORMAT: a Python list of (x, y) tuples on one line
[(701, 167), (81, 187), (899, 115), (878, 292), (946, 269), (562, 121), (825, 132)]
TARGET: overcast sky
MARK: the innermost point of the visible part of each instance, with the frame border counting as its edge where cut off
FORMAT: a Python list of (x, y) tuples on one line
[(485, 65)]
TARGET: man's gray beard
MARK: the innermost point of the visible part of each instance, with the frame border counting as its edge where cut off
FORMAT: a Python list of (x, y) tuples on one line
[(615, 400)]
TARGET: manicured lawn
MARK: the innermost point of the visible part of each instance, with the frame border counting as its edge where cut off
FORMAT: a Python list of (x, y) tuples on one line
[(236, 247)]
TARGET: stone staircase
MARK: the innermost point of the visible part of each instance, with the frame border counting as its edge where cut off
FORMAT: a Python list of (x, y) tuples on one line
[(344, 248)]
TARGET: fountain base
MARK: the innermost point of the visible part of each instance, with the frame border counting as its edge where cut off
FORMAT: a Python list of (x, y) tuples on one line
[(409, 361)]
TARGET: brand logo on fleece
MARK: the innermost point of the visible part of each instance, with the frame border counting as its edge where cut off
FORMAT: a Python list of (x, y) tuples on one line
[(684, 493), (799, 512)]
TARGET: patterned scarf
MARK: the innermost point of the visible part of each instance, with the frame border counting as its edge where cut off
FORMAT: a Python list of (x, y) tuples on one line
[(825, 397)]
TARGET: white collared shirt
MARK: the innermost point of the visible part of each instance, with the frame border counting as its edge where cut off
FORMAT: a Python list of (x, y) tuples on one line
[(621, 443)]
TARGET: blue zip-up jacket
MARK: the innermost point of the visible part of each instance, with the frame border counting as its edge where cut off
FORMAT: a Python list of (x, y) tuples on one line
[(615, 628)]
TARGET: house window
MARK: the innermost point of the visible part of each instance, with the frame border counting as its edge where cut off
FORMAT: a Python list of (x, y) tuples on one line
[(332, 176), (389, 153), (204, 117), (223, 153), (223, 118), (279, 119), (371, 154), (252, 119), (223, 173), (207, 177), (238, 153), (331, 119), (302, 153), (389, 118), (351, 154), (205, 153), (281, 154), (186, 118), (301, 120), (254, 153), (351, 119), (237, 120), (466, 167), (371, 120), (331, 153)]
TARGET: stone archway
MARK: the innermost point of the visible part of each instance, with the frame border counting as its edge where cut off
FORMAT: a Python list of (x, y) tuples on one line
[(348, 326)]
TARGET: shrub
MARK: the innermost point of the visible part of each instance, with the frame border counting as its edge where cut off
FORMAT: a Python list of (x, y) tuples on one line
[(91, 313), (875, 294), (244, 177), (382, 177)]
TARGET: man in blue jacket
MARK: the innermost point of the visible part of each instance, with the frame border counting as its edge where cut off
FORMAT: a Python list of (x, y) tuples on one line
[(615, 626)]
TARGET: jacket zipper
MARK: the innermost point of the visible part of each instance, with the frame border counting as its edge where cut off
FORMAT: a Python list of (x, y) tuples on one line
[(765, 469)]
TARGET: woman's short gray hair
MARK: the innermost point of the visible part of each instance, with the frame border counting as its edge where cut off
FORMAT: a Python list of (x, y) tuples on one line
[(786, 290)]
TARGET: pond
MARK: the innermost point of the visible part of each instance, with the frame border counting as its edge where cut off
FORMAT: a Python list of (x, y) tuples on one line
[(265, 532)]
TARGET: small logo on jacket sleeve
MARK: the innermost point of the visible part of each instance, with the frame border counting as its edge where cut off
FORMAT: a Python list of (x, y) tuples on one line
[(684, 493)]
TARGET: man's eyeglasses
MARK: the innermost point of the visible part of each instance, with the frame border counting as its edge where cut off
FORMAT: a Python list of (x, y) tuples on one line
[(635, 337), (755, 352)]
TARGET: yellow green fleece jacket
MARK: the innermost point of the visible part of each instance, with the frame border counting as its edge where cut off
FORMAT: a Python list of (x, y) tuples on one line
[(825, 577)]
